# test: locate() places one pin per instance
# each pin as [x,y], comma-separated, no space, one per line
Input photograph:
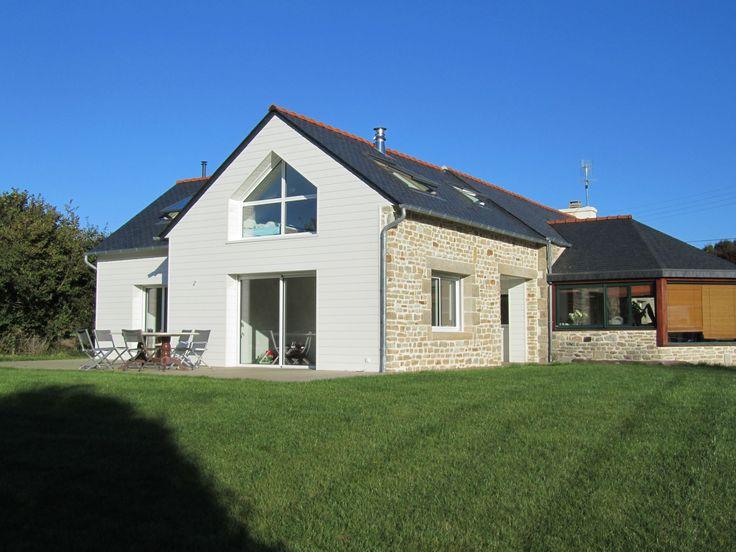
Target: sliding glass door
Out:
[278,320]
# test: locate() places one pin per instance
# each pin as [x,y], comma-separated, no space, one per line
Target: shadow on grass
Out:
[83,471]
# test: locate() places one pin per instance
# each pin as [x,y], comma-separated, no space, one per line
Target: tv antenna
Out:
[586,169]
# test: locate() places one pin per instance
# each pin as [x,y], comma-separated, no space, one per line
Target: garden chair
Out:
[182,346]
[197,349]
[134,349]
[97,355]
[105,340]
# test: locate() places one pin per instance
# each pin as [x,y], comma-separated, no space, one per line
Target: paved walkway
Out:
[258,373]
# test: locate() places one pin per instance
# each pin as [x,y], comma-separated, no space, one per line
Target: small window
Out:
[283,203]
[446,302]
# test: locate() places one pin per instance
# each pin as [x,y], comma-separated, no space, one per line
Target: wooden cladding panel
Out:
[719,312]
[685,308]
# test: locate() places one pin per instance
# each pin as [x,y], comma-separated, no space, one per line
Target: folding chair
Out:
[105,340]
[182,346]
[197,349]
[134,349]
[97,355]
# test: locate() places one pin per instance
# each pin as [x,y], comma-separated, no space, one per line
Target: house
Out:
[315,247]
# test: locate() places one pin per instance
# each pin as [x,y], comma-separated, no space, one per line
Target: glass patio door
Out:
[278,320]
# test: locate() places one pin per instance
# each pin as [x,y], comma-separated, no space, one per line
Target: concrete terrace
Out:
[257,373]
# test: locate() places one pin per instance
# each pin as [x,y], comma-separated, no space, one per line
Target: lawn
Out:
[560,457]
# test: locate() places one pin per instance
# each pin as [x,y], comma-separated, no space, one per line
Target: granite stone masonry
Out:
[419,246]
[633,345]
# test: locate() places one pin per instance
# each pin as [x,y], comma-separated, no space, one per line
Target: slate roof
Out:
[602,248]
[504,211]
[621,247]
[142,231]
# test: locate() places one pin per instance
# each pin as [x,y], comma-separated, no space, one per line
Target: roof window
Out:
[411,182]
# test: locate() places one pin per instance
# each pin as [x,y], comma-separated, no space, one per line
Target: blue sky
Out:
[109,103]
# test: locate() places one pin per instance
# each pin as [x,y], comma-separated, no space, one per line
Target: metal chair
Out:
[197,349]
[104,339]
[183,345]
[97,355]
[133,348]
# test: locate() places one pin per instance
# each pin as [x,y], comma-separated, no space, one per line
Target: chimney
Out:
[379,140]
[578,210]
[204,169]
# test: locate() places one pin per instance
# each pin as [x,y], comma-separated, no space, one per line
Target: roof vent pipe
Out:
[204,169]
[379,140]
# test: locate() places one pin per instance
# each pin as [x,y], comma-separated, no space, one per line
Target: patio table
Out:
[164,356]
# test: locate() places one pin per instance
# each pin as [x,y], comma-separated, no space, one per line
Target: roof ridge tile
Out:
[185,180]
[574,220]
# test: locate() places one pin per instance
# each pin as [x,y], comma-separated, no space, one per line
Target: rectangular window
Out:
[155,309]
[606,305]
[701,313]
[446,301]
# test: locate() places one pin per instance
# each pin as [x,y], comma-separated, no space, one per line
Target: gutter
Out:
[150,249]
[384,231]
[89,264]
[465,222]
[550,322]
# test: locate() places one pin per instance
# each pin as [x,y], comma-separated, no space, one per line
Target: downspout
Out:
[549,302]
[89,264]
[384,231]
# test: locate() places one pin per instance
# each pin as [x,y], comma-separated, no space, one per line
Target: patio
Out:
[254,373]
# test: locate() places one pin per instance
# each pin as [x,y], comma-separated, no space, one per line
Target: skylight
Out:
[471,195]
[408,180]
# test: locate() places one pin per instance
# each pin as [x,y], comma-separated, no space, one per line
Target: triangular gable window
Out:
[284,202]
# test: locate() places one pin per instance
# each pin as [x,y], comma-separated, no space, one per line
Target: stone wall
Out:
[420,245]
[633,345]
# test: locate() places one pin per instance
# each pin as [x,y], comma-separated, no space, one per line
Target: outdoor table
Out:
[164,355]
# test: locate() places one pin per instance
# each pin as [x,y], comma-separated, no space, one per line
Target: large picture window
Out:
[701,313]
[284,202]
[606,305]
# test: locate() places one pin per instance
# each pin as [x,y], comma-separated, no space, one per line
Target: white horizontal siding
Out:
[119,289]
[344,255]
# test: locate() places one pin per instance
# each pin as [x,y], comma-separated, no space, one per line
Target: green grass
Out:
[561,457]
[46,356]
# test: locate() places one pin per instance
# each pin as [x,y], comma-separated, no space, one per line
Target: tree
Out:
[46,290]
[726,249]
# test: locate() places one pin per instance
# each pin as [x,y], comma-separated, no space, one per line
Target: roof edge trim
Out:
[464,222]
[215,175]
[163,247]
[634,274]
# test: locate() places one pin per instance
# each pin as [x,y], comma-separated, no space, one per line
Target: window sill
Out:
[301,235]
[603,328]
[702,344]
[449,335]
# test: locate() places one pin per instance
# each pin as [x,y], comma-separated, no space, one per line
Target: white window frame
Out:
[283,200]
[162,306]
[457,281]
[281,277]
